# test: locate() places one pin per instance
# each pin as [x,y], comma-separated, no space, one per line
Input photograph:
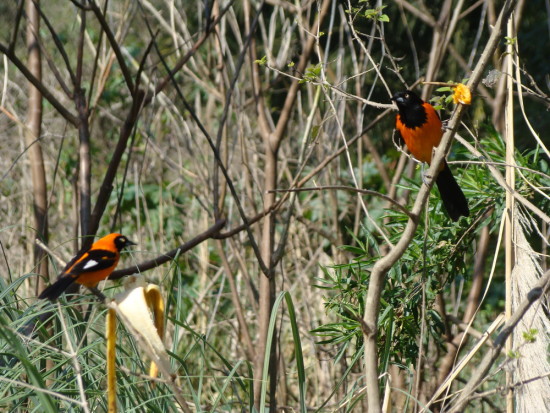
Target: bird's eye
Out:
[406,95]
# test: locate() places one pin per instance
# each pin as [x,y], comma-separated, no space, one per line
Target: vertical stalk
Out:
[32,134]
[85,167]
[264,290]
[85,174]
[510,181]
[267,283]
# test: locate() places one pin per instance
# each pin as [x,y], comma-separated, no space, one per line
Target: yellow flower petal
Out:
[462,95]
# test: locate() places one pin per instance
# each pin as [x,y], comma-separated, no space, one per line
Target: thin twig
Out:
[115,46]
[51,253]
[350,189]
[502,182]
[540,289]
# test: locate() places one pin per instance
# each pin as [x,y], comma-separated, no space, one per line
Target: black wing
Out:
[93,261]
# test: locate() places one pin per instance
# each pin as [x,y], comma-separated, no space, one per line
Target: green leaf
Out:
[530,335]
[297,350]
[262,61]
[510,40]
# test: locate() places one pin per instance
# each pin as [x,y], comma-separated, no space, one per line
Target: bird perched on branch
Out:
[89,266]
[421,129]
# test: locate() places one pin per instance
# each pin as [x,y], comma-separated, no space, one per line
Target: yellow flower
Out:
[462,94]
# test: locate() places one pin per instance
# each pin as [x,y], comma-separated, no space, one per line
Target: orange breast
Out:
[421,140]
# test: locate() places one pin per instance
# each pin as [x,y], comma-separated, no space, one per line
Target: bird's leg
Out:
[425,177]
[102,297]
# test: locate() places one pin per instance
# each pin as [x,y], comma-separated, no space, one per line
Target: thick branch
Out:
[33,132]
[170,255]
[107,185]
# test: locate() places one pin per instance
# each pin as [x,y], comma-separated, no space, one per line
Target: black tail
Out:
[57,288]
[452,196]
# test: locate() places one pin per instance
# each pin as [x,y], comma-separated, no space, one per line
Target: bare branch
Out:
[58,44]
[170,255]
[72,118]
[351,189]
[541,288]
[115,46]
[107,185]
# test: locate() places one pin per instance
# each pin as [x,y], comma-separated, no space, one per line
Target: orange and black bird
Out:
[90,266]
[421,129]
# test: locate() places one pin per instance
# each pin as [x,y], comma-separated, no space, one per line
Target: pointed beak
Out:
[397,99]
[128,243]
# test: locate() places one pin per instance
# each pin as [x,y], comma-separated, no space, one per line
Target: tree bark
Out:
[32,136]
